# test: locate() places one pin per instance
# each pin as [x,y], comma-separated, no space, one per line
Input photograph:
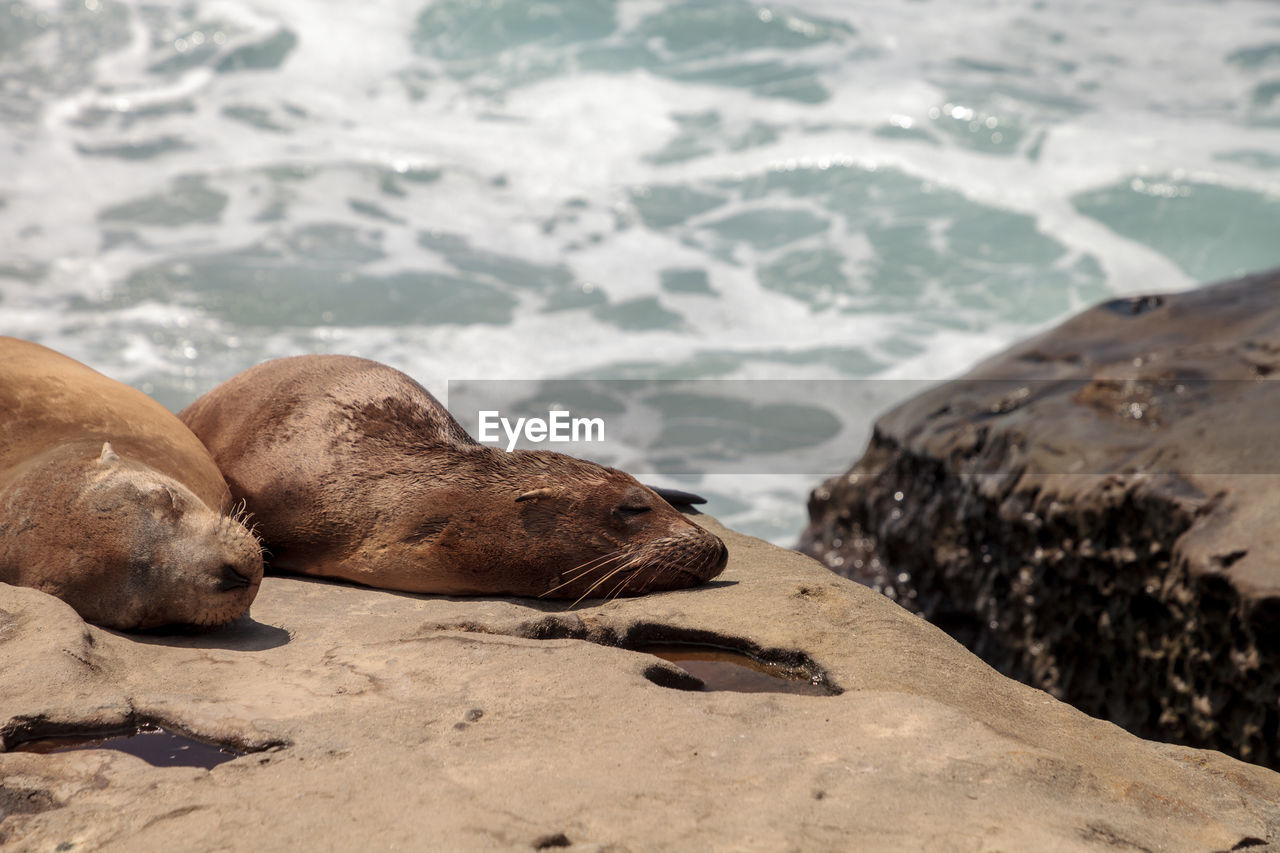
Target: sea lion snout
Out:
[721,560]
[232,579]
[200,567]
[697,553]
[224,560]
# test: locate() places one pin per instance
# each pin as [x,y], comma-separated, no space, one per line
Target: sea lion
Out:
[352,470]
[108,502]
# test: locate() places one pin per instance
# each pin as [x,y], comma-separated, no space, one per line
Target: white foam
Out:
[1154,93]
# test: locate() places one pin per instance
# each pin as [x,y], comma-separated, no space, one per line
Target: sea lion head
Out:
[125,545]
[538,523]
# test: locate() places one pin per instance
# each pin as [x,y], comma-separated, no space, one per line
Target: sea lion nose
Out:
[232,579]
[721,560]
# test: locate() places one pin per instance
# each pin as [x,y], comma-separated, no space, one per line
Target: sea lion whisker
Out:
[637,568]
[565,583]
[238,512]
[627,567]
[239,516]
[615,570]
[580,572]
[594,563]
[614,558]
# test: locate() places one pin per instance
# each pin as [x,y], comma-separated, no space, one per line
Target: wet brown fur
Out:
[132,534]
[352,470]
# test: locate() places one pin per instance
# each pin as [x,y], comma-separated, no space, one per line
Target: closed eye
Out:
[631,511]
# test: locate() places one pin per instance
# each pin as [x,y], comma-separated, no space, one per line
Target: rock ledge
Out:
[1094,512]
[388,720]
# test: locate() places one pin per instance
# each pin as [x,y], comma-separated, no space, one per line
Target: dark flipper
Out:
[677,498]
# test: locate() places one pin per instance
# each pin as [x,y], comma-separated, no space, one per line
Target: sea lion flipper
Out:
[675,497]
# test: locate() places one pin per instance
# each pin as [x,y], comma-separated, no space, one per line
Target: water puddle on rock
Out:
[724,669]
[154,745]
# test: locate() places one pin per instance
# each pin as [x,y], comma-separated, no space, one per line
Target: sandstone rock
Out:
[1095,512]
[380,720]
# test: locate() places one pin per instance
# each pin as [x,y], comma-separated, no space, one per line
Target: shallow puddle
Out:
[723,669]
[152,744]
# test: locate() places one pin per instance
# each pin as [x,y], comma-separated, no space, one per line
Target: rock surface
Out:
[1096,512]
[394,721]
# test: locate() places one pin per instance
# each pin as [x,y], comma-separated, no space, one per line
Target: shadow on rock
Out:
[244,634]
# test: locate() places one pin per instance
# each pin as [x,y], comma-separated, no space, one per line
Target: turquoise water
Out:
[500,189]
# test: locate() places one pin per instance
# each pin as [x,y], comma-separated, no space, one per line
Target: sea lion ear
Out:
[108,454]
[544,492]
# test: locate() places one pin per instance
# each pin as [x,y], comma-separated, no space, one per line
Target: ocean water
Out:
[622,189]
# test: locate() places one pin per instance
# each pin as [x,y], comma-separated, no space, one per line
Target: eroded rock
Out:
[1095,512]
[388,720]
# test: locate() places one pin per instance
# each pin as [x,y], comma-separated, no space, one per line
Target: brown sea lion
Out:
[352,470]
[108,502]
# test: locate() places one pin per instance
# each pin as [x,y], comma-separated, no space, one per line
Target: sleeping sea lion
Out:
[352,470]
[108,502]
